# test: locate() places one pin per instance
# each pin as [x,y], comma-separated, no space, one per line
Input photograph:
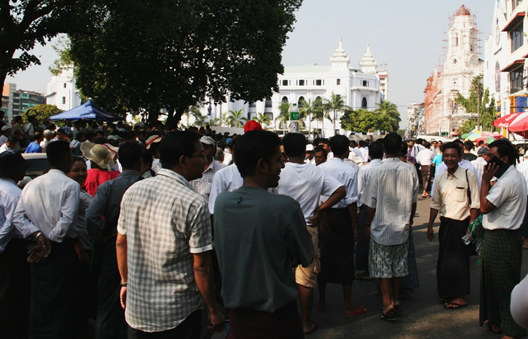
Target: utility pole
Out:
[478,106]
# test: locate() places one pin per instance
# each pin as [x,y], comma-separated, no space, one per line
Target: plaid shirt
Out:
[165,222]
[203,185]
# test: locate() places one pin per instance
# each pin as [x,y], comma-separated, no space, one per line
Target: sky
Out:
[406,35]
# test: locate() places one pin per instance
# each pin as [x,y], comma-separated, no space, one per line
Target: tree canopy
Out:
[361,121]
[477,94]
[24,23]
[42,112]
[172,54]
[389,111]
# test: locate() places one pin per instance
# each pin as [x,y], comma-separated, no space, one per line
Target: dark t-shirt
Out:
[257,234]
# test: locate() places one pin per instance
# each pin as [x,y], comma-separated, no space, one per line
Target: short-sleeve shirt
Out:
[306,183]
[256,235]
[165,223]
[227,179]
[451,194]
[392,189]
[347,176]
[509,196]
[437,160]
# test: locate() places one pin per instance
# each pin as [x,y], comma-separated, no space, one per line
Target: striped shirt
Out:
[391,189]
[165,222]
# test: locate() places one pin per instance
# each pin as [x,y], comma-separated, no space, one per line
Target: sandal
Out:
[389,316]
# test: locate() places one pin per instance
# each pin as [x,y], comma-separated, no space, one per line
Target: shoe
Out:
[316,325]
[454,306]
[359,311]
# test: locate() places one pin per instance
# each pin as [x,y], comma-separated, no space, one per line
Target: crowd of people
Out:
[142,229]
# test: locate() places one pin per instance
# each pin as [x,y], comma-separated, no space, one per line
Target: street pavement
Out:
[424,316]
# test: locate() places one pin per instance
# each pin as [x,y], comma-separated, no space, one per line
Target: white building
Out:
[359,88]
[505,55]
[461,65]
[62,92]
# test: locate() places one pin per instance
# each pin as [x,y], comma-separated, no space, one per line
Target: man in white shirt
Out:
[425,160]
[306,183]
[203,185]
[457,200]
[362,250]
[504,206]
[339,230]
[15,287]
[390,198]
[46,213]
[480,162]
[464,164]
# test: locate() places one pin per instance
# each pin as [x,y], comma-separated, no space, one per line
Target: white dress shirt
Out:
[3,139]
[49,204]
[9,195]
[425,157]
[509,195]
[479,164]
[522,168]
[392,188]
[227,179]
[347,176]
[306,183]
[363,176]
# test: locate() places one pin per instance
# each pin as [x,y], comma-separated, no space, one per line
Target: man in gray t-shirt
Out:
[259,238]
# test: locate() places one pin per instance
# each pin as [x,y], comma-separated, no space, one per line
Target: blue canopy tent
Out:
[86,111]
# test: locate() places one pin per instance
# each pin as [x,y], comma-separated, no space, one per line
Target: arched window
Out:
[268,103]
[285,100]
[300,102]
[364,103]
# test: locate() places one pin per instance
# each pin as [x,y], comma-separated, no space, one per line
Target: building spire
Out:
[340,57]
[368,64]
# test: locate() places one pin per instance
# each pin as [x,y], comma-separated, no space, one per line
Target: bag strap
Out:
[468,189]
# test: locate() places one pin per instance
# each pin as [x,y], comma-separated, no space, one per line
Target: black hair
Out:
[147,156]
[38,135]
[78,158]
[353,143]
[454,145]
[392,143]
[12,139]
[80,135]
[253,146]
[376,150]
[294,144]
[362,143]
[505,149]
[339,144]
[129,154]
[56,152]
[469,145]
[427,144]
[176,144]
[324,141]
[321,149]
[403,148]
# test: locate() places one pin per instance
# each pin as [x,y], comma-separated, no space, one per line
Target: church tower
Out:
[340,59]
[368,64]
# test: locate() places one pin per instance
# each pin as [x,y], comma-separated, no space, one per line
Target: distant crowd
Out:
[144,229]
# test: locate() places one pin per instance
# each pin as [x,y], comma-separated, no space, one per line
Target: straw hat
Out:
[153,139]
[99,154]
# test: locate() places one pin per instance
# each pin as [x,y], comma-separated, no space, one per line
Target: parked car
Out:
[39,166]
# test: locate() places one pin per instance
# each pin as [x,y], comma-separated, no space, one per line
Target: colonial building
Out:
[360,88]
[505,53]
[62,92]
[461,65]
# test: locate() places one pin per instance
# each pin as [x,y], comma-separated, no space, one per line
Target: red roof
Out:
[462,11]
